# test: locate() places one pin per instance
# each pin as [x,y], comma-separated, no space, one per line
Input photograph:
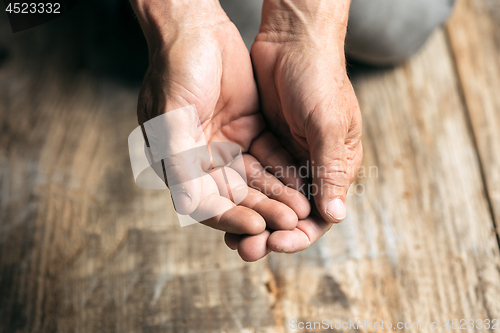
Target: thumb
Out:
[176,141]
[329,164]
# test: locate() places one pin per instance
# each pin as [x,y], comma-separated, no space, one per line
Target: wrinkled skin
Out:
[305,96]
[211,68]
[310,104]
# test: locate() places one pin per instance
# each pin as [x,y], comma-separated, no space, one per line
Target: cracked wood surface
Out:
[474,33]
[82,249]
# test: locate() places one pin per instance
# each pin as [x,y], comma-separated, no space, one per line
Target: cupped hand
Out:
[206,64]
[310,104]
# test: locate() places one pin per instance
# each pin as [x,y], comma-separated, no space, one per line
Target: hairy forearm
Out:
[306,19]
[162,20]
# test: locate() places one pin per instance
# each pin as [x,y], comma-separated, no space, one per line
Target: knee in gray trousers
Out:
[386,32]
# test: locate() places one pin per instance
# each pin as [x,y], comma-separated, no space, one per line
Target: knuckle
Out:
[336,166]
[334,173]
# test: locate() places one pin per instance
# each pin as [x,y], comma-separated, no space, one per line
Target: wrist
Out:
[292,20]
[163,20]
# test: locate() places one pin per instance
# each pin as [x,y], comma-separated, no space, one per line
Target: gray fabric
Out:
[245,14]
[380,32]
[390,31]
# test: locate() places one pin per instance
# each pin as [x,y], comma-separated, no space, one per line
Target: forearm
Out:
[162,20]
[306,18]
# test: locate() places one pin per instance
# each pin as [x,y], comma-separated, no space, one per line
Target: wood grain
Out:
[474,34]
[82,249]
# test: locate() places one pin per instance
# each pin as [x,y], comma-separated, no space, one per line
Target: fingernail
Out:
[182,201]
[186,199]
[336,209]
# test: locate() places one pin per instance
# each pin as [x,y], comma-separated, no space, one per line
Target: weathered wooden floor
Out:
[82,249]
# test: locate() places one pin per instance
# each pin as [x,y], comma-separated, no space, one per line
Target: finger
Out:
[253,248]
[220,213]
[176,139]
[307,232]
[269,152]
[232,240]
[230,184]
[238,220]
[327,136]
[269,185]
[211,202]
[187,194]
[277,215]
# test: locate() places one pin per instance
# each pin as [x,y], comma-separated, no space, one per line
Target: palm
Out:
[267,63]
[211,70]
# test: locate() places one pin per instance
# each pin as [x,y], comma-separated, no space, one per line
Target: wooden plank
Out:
[474,33]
